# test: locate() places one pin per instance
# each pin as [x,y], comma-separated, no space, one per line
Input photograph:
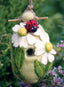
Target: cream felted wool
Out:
[32,53]
[28,15]
[31,59]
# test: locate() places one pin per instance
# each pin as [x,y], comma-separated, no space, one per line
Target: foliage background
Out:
[12,9]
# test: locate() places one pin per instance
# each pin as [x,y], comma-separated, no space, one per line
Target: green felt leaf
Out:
[48,66]
[16,71]
[16,54]
[39,68]
[15,68]
[21,57]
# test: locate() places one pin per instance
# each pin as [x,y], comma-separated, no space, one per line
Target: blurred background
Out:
[12,9]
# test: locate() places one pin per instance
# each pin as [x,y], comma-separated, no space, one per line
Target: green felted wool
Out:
[48,66]
[17,61]
[39,68]
[28,15]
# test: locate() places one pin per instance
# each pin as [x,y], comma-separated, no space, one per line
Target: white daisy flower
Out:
[47,52]
[22,41]
[45,48]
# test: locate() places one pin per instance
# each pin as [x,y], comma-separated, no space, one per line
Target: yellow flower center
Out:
[22,31]
[48,47]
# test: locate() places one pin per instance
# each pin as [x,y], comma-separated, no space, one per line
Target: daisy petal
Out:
[41,28]
[47,37]
[15,44]
[23,42]
[39,52]
[15,37]
[38,32]
[44,59]
[22,24]
[43,38]
[16,28]
[39,44]
[53,51]
[31,39]
[50,57]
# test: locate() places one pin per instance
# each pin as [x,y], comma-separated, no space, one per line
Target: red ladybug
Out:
[31,26]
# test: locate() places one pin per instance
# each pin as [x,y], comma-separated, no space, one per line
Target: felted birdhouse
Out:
[33,53]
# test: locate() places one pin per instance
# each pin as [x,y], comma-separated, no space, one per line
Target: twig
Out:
[13,20]
[40,18]
[18,20]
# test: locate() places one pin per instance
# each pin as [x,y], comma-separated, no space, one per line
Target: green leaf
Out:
[16,71]
[48,66]
[15,68]
[39,68]
[21,57]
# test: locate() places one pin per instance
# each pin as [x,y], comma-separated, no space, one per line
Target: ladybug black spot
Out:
[29,25]
[34,24]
